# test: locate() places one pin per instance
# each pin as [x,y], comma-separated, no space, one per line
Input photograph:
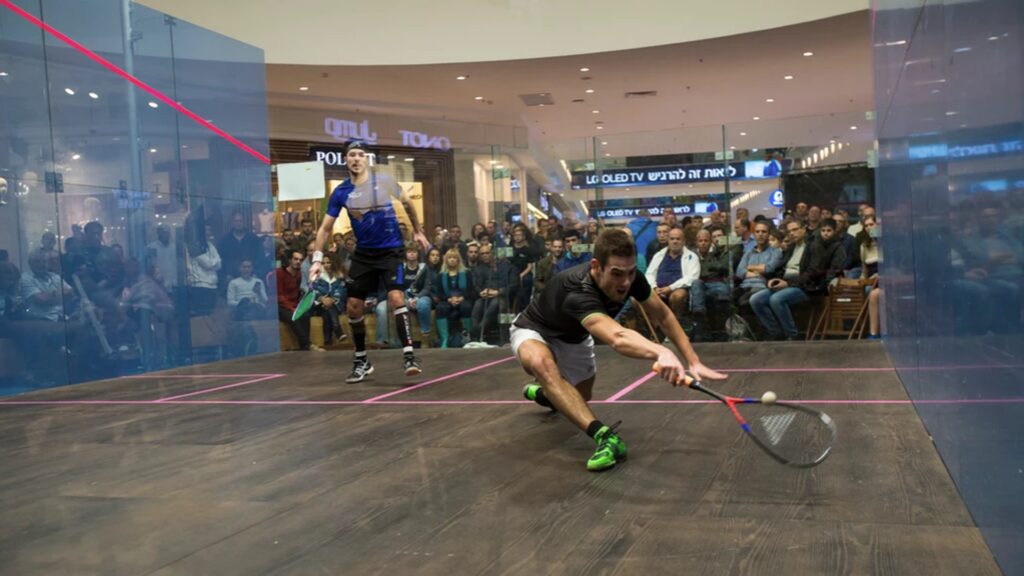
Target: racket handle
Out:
[686,378]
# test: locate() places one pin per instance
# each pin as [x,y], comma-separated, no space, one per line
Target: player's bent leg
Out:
[403,325]
[356,309]
[537,360]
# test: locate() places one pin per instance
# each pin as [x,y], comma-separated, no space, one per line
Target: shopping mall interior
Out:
[826,201]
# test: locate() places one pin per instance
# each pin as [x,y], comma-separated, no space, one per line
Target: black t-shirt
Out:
[568,298]
[523,255]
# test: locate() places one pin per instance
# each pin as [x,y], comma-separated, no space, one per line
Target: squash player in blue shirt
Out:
[379,255]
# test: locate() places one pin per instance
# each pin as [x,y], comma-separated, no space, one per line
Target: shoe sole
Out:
[413,371]
[365,374]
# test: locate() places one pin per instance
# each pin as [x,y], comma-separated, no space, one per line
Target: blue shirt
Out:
[670,269]
[568,261]
[377,224]
[770,257]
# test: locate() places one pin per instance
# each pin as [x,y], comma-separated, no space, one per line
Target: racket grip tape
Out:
[686,378]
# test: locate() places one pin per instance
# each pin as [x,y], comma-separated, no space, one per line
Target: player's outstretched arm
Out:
[632,344]
[666,320]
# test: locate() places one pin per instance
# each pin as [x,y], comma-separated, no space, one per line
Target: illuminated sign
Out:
[777,199]
[686,174]
[642,211]
[421,140]
[938,151]
[345,130]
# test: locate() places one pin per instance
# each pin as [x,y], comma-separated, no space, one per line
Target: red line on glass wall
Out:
[139,83]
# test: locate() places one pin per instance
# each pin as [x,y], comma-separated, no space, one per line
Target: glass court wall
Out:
[122,220]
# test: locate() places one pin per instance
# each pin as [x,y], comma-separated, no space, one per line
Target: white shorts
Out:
[575,361]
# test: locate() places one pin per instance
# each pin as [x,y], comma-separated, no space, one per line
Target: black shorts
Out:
[373,267]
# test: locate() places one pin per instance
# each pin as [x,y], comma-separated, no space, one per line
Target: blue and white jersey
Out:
[371,210]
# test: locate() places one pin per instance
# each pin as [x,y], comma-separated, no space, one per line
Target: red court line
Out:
[139,83]
[953,401]
[631,387]
[218,388]
[440,379]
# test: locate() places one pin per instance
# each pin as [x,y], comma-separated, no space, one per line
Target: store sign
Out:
[421,140]
[642,211]
[345,130]
[657,176]
[777,199]
[329,156]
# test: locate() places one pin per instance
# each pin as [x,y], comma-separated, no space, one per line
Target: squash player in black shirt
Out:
[553,339]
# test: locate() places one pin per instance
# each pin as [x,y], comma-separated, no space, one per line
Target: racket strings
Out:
[797,436]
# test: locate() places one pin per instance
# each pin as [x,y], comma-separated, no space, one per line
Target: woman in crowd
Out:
[331,297]
[454,304]
[869,256]
[423,293]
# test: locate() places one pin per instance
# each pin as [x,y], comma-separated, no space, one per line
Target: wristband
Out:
[318,256]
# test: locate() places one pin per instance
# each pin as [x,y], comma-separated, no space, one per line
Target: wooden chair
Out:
[846,310]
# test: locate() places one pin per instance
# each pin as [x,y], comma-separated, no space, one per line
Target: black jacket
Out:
[820,263]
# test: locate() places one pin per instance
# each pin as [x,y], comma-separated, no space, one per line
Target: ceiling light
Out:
[604,143]
[589,90]
[853,127]
[500,167]
[478,98]
[743,133]
[991,38]
[463,77]
[69,91]
[753,149]
[3,74]
[787,77]
[962,50]
[152,150]
[93,95]
[584,69]
[595,111]
[600,127]
[303,88]
[410,159]
[951,113]
[808,53]
[732,147]
[769,100]
[76,156]
[757,117]
[896,43]
[607,154]
[391,156]
[184,146]
[936,91]
[153,105]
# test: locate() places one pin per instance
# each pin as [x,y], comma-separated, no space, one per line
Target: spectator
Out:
[288,296]
[452,298]
[848,243]
[43,291]
[593,231]
[454,240]
[331,298]
[203,266]
[546,265]
[524,255]
[743,235]
[491,279]
[757,265]
[307,234]
[407,275]
[472,254]
[268,258]
[164,255]
[672,272]
[801,211]
[476,231]
[813,221]
[247,296]
[570,259]
[310,248]
[669,217]
[661,241]
[714,276]
[808,269]
[863,211]
[425,290]
[237,245]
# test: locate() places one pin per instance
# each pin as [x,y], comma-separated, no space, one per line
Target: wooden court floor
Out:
[273,465]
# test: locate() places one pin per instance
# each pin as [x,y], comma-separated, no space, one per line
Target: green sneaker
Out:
[530,392]
[610,449]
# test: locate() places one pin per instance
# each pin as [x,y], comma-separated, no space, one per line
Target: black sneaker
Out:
[412,365]
[360,370]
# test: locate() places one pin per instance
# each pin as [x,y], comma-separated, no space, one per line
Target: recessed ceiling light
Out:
[410,159]
[787,77]
[951,113]
[478,98]
[463,77]
[991,38]
[93,95]
[391,156]
[595,111]
[757,117]
[769,100]
[153,105]
[607,154]
[76,156]
[152,150]
[604,143]
[732,147]
[853,127]
[896,43]
[584,69]
[589,90]
[3,74]
[303,88]
[808,53]
[962,50]
[600,127]
[69,91]
[743,133]
[184,146]
[936,91]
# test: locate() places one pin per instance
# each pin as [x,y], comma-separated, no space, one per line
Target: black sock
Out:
[359,335]
[593,428]
[543,400]
[404,327]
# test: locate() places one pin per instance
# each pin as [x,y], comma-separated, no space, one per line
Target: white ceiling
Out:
[700,85]
[397,32]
